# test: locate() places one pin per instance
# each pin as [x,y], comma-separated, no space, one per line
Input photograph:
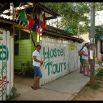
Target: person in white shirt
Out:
[37,62]
[85,57]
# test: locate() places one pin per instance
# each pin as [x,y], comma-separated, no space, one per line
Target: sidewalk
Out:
[64,88]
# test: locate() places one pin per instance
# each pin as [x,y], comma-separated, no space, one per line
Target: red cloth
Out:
[30,22]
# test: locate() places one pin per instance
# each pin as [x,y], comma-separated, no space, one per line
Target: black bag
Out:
[80,52]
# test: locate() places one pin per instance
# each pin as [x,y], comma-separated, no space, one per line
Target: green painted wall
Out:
[24,53]
[26,47]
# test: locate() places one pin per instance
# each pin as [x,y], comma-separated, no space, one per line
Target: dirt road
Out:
[88,93]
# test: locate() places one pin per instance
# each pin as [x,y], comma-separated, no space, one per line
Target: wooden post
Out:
[92,48]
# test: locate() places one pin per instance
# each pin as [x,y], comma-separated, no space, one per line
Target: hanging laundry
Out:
[28,11]
[41,17]
[30,21]
[36,24]
[39,30]
[43,21]
[23,17]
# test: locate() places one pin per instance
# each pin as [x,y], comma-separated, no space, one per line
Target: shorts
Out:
[82,60]
[37,71]
[86,63]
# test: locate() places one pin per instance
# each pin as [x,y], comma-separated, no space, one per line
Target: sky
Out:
[99,18]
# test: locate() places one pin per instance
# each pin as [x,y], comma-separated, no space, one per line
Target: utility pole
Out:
[92,46]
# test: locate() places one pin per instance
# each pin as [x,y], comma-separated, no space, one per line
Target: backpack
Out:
[80,52]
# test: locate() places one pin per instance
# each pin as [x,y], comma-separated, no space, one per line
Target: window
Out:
[16,49]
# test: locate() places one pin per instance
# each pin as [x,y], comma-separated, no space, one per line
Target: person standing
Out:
[37,62]
[85,57]
[81,60]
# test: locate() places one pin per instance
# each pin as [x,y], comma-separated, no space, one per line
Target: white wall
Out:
[5,64]
[98,50]
[60,58]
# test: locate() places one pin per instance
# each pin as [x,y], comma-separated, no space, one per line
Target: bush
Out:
[98,61]
[99,75]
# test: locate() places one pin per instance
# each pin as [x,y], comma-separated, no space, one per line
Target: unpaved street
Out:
[88,93]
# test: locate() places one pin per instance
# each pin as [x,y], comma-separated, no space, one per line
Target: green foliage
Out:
[98,61]
[72,14]
[99,32]
[70,29]
[99,75]
[98,82]
[99,6]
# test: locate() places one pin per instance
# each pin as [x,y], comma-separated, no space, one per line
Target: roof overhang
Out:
[52,31]
[60,33]
[32,6]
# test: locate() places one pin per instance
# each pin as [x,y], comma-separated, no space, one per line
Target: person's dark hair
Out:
[38,46]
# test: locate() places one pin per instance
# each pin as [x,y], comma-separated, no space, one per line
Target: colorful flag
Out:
[39,30]
[30,21]
[23,17]
[43,21]
[36,24]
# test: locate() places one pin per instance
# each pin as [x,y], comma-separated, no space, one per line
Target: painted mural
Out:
[4,64]
[56,55]
[51,56]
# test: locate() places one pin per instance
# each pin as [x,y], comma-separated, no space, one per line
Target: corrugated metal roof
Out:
[5,9]
[52,31]
[61,33]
